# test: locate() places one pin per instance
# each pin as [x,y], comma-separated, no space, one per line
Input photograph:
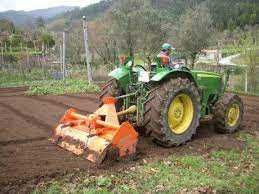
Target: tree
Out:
[7,26]
[250,51]
[194,32]
[248,14]
[152,32]
[125,17]
[47,40]
[40,23]
[231,14]
[173,9]
[103,40]
[75,46]
[138,27]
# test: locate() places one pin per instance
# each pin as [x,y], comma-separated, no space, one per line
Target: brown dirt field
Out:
[27,157]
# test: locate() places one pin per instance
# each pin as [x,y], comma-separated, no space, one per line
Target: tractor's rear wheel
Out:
[228,113]
[111,88]
[173,112]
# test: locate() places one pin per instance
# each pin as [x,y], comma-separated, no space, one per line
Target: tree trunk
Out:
[193,57]
[149,61]
[252,71]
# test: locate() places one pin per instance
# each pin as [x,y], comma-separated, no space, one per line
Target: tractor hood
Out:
[208,80]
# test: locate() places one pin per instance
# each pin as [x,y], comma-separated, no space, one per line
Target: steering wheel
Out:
[185,68]
[141,67]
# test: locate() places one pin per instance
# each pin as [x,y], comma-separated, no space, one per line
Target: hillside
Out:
[21,18]
[242,12]
[74,16]
[92,11]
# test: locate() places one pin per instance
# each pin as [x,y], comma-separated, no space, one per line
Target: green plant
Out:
[221,171]
[57,87]
[21,78]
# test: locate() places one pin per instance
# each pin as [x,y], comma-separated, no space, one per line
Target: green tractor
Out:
[171,102]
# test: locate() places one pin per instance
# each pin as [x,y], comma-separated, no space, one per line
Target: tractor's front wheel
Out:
[228,113]
[173,112]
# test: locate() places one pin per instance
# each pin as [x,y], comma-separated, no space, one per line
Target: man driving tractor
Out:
[165,53]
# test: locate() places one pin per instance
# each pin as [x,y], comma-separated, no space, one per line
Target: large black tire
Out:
[111,88]
[156,117]
[220,112]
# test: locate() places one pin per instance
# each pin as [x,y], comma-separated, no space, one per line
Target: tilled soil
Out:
[27,157]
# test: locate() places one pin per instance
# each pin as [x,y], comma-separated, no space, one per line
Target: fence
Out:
[39,67]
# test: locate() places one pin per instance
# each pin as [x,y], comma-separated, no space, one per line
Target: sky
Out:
[28,5]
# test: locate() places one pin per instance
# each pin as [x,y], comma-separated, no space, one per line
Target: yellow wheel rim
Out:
[233,115]
[180,113]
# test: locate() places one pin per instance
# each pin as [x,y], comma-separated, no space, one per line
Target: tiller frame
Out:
[95,135]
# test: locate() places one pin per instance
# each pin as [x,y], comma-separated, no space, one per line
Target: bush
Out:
[16,78]
[57,87]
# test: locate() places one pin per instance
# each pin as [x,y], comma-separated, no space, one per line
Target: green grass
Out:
[235,171]
[8,79]
[241,92]
[40,84]
[240,79]
[230,50]
[58,87]
[244,60]
[17,52]
[11,80]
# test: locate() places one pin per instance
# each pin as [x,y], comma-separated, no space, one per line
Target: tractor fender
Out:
[162,75]
[119,73]
[122,72]
[122,75]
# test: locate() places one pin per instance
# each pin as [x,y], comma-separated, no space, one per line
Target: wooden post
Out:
[218,58]
[64,54]
[27,58]
[246,80]
[34,45]
[2,55]
[5,47]
[60,58]
[89,69]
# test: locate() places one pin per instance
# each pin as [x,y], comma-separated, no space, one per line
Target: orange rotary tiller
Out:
[94,135]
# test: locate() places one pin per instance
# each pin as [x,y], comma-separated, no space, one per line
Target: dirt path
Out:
[27,156]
